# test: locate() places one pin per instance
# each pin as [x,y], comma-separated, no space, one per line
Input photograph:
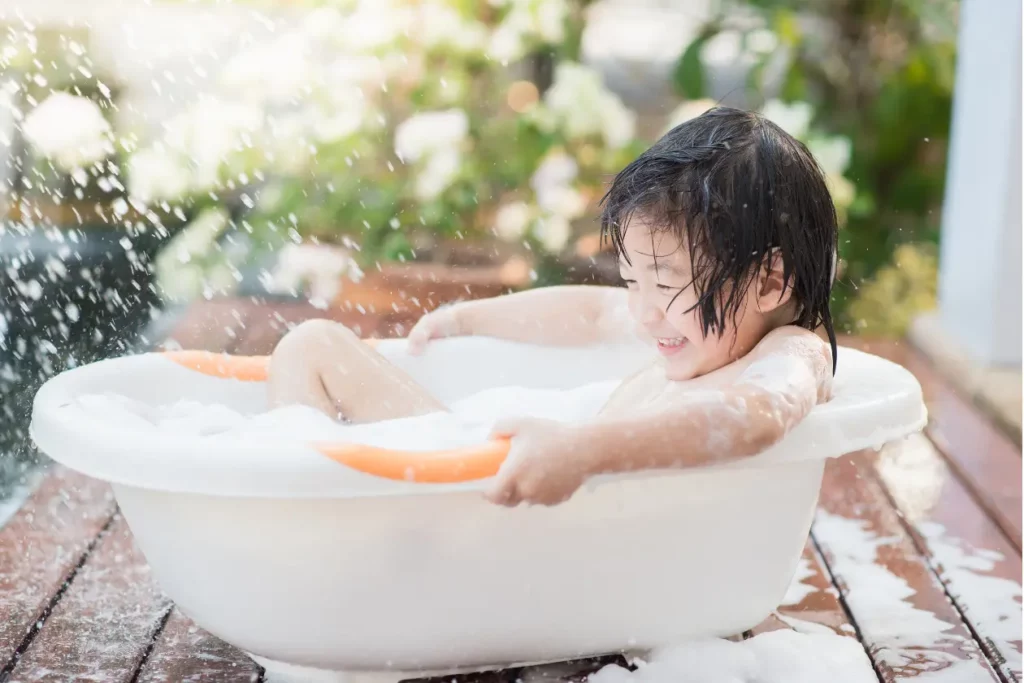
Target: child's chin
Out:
[680,369]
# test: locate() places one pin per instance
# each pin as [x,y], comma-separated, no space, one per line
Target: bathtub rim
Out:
[290,469]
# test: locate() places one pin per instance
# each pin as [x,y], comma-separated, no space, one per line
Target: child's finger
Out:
[418,338]
[506,428]
[503,493]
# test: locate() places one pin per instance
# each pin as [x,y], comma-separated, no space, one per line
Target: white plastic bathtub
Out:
[304,562]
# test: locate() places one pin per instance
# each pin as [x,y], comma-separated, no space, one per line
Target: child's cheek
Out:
[684,317]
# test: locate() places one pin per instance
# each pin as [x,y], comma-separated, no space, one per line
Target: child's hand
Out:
[439,323]
[544,465]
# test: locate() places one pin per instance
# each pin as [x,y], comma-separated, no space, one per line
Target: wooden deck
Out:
[916,551]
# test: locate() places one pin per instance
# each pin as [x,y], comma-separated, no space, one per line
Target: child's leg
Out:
[323,364]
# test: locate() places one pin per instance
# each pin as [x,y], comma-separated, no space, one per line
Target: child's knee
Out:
[313,335]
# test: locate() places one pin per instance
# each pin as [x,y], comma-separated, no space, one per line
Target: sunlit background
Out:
[157,153]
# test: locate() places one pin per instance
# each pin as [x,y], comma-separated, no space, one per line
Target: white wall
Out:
[980,267]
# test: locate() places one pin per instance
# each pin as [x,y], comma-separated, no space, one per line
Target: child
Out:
[726,237]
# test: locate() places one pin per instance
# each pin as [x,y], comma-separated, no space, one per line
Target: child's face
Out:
[676,331]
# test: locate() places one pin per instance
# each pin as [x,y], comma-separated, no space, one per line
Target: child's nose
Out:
[651,313]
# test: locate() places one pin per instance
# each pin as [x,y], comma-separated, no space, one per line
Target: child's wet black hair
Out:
[733,186]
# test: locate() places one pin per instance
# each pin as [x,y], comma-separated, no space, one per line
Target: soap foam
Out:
[775,657]
[470,421]
[906,638]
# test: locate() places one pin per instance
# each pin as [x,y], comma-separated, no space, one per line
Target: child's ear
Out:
[772,292]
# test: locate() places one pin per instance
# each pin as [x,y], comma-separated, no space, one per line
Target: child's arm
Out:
[787,377]
[564,315]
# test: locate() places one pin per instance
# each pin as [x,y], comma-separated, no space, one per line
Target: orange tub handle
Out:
[222,365]
[434,467]
[428,467]
[227,366]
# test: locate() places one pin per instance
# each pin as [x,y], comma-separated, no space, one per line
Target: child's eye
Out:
[629,283]
[666,288]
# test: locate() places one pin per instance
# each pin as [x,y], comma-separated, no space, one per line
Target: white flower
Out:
[527,23]
[832,153]
[619,125]
[329,126]
[323,22]
[270,197]
[199,235]
[208,133]
[558,169]
[277,72]
[180,283]
[567,202]
[584,107]
[552,186]
[793,118]
[318,269]
[154,174]
[376,24]
[433,138]
[507,43]
[549,20]
[553,233]
[179,265]
[723,49]
[438,174]
[288,142]
[439,25]
[355,70]
[343,115]
[576,96]
[428,132]
[69,130]
[762,41]
[690,109]
[512,220]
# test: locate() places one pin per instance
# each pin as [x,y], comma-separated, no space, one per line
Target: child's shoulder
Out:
[795,344]
[791,340]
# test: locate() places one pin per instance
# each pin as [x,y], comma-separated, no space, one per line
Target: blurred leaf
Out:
[794,86]
[396,246]
[755,77]
[863,205]
[688,76]
[787,27]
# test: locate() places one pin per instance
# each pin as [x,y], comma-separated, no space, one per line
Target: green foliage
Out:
[886,305]
[479,124]
[879,72]
[688,75]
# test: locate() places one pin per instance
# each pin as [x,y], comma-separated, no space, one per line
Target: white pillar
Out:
[980,265]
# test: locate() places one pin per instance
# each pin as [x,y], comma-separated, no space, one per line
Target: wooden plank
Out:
[564,672]
[185,653]
[102,627]
[979,567]
[41,548]
[984,457]
[901,610]
[812,603]
[45,543]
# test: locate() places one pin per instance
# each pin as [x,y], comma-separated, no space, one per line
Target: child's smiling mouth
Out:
[670,345]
